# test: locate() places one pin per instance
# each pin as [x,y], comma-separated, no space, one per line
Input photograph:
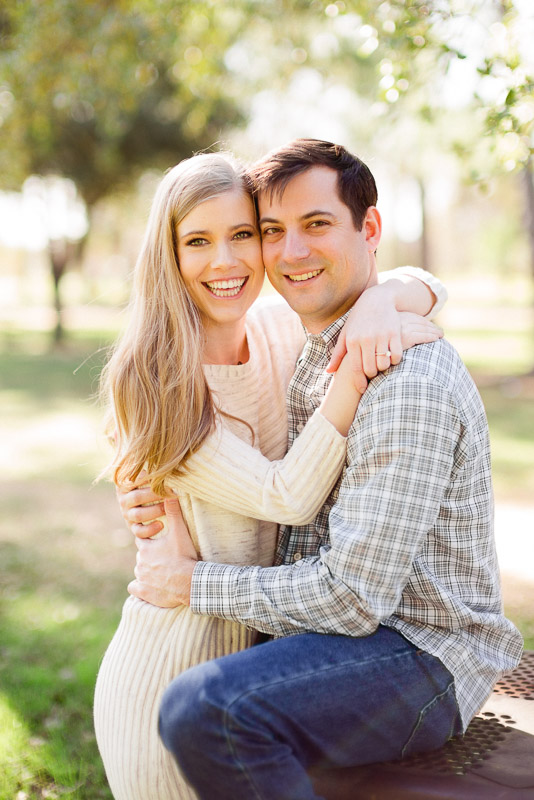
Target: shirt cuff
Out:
[214,589]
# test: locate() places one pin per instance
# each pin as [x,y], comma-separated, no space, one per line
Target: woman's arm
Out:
[228,472]
[372,335]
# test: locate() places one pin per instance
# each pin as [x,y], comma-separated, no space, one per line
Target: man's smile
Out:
[304,276]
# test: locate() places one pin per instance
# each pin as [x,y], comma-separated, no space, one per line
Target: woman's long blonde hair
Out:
[161,406]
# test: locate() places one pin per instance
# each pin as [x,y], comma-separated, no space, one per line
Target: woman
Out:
[198,395]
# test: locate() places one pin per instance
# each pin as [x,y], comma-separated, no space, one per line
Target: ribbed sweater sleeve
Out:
[230,473]
[423,275]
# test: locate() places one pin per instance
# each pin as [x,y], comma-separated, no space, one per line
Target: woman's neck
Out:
[226,345]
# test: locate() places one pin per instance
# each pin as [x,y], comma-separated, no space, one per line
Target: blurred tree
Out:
[97,91]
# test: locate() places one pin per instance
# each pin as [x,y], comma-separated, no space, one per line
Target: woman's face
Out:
[219,253]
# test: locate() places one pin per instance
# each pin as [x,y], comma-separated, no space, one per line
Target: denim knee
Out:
[179,715]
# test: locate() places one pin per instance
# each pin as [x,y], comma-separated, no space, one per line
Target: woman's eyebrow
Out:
[193,233]
[207,232]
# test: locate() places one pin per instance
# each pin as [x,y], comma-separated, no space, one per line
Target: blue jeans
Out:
[250,725]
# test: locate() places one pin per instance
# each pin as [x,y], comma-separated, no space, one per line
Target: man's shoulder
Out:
[437,361]
[437,366]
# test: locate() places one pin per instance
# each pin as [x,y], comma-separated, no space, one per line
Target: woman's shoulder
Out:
[272,315]
[276,336]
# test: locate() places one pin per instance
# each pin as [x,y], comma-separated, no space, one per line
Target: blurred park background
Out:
[96,100]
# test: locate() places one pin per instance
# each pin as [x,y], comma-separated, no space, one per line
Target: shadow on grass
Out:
[52,376]
[510,410]
[63,582]
[52,643]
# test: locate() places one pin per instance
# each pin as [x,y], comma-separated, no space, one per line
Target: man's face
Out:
[313,254]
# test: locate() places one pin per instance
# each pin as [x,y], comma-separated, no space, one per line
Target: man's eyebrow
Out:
[317,212]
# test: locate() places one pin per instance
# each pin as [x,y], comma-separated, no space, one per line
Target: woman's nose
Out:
[224,256]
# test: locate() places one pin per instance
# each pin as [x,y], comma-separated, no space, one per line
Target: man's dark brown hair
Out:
[355,184]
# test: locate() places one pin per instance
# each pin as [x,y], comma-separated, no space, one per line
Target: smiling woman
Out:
[219,252]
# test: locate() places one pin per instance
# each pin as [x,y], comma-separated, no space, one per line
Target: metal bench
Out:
[493,760]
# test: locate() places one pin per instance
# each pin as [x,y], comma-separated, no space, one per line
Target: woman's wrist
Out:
[340,403]
[407,293]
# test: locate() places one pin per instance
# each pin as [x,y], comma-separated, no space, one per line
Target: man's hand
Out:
[165,565]
[140,508]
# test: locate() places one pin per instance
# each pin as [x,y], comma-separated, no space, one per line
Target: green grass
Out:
[62,594]
[511,421]
[66,557]
[65,565]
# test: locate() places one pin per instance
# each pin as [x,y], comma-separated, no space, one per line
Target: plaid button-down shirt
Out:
[405,538]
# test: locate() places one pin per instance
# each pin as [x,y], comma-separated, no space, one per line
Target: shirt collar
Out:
[330,334]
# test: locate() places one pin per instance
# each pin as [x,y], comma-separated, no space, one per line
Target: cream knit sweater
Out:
[152,645]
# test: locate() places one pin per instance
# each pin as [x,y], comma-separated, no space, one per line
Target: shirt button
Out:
[297,556]
[300,427]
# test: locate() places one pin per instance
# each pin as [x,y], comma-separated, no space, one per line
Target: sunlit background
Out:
[96,101]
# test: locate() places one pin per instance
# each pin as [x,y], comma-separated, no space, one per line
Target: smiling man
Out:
[317,252]
[387,609]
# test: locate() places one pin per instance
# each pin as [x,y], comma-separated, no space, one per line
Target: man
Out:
[388,605]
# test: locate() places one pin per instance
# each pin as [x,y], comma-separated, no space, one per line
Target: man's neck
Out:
[317,323]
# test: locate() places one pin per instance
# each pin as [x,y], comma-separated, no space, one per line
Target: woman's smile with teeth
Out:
[305,275]
[228,288]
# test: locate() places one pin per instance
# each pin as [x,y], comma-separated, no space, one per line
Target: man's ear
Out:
[372,225]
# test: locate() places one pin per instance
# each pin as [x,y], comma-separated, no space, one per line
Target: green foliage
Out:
[96,91]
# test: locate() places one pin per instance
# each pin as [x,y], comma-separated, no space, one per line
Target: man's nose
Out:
[295,247]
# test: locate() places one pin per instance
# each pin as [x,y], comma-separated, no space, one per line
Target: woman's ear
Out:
[372,224]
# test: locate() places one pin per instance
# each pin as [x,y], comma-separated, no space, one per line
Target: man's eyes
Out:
[272,230]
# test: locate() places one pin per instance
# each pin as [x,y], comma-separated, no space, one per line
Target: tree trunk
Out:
[60,252]
[424,241]
[528,184]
